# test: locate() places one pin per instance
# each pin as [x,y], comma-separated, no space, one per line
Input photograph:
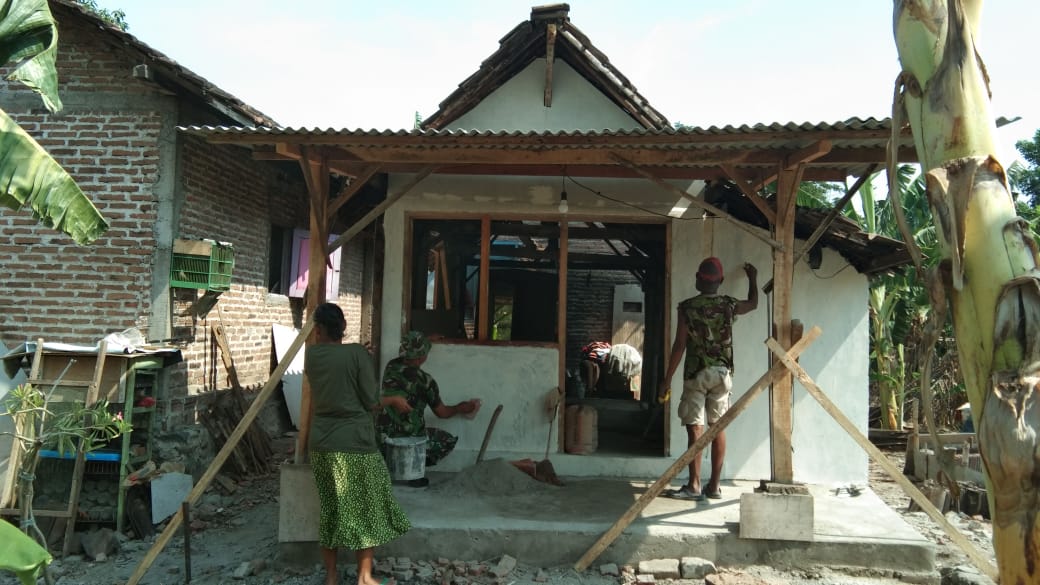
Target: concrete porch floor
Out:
[543,525]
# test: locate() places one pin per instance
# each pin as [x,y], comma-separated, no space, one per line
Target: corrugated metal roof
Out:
[851,125]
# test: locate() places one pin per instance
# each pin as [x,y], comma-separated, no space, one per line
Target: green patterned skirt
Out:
[358,509]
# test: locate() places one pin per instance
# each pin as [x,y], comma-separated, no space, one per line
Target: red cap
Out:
[710,270]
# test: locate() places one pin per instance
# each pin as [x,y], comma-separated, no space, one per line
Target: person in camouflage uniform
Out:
[405,377]
[704,333]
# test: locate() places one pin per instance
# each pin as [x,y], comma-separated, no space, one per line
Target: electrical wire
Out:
[633,205]
[836,273]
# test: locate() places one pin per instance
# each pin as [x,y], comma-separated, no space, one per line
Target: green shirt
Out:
[419,389]
[709,332]
[343,394]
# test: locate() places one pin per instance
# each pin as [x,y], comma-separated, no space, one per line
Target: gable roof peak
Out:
[550,13]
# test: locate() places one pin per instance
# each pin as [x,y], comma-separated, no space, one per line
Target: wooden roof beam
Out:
[550,56]
[808,154]
[335,157]
[744,183]
[553,156]
[756,232]
[369,217]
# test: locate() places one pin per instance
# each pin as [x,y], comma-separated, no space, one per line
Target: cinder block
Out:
[776,516]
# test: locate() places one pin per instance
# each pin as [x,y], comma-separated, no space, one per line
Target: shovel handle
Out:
[487,433]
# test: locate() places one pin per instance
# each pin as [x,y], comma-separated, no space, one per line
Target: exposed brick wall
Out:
[54,288]
[63,292]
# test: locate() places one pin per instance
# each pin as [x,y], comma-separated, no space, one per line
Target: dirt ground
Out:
[234,540]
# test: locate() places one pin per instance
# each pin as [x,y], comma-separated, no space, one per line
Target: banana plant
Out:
[988,274]
[29,175]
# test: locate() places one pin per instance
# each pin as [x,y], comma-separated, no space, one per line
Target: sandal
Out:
[685,493]
[715,495]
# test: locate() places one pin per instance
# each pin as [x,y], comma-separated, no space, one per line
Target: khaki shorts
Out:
[708,391]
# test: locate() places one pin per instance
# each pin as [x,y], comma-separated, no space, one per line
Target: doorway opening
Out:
[615,336]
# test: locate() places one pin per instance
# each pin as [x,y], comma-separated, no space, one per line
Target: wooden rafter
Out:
[550,55]
[337,158]
[834,213]
[510,156]
[353,188]
[808,154]
[752,230]
[369,217]
[744,184]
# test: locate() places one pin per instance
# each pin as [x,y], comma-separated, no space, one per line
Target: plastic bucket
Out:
[406,457]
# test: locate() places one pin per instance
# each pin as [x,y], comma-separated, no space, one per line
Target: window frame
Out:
[483,328]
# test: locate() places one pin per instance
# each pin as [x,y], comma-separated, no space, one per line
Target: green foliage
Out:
[116,18]
[43,426]
[1026,180]
[28,174]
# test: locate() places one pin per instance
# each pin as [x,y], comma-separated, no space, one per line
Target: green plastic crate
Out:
[202,264]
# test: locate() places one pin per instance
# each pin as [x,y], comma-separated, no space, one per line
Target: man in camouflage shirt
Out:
[704,333]
[405,377]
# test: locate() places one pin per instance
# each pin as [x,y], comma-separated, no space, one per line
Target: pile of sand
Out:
[494,477]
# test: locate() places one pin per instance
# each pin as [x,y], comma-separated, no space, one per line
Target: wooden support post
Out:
[186,513]
[222,455]
[783,278]
[561,330]
[911,490]
[684,460]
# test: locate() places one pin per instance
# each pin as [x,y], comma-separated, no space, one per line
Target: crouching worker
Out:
[405,377]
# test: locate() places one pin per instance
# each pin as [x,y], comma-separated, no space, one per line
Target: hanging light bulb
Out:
[563,193]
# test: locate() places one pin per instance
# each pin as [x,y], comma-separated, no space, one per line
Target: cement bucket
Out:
[406,457]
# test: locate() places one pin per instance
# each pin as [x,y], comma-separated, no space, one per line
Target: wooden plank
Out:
[684,460]
[352,189]
[369,217]
[781,422]
[550,56]
[77,470]
[896,474]
[745,186]
[758,233]
[193,247]
[834,213]
[222,455]
[814,151]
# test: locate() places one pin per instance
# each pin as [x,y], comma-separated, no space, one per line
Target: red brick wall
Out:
[53,288]
[63,292]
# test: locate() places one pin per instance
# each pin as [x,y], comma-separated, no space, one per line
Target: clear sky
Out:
[374,64]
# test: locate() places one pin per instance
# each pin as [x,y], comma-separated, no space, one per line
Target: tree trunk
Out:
[989,262]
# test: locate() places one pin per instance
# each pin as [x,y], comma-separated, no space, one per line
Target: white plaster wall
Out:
[518,377]
[519,104]
[837,361]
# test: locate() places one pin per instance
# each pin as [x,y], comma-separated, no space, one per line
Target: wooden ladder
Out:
[71,512]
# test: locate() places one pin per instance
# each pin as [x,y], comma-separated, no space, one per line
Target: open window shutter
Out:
[301,254]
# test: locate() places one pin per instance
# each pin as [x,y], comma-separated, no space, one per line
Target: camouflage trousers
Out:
[439,443]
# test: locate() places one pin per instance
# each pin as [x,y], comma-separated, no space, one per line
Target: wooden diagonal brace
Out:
[911,490]
[751,193]
[379,209]
[684,460]
[352,189]
[756,232]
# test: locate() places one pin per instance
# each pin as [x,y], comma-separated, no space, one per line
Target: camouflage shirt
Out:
[709,330]
[419,388]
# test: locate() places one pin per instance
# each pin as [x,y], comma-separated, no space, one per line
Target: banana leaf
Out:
[29,41]
[29,175]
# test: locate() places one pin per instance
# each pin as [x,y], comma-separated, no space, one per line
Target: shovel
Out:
[543,470]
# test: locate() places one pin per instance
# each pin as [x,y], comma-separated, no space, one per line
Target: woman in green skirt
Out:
[358,510]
